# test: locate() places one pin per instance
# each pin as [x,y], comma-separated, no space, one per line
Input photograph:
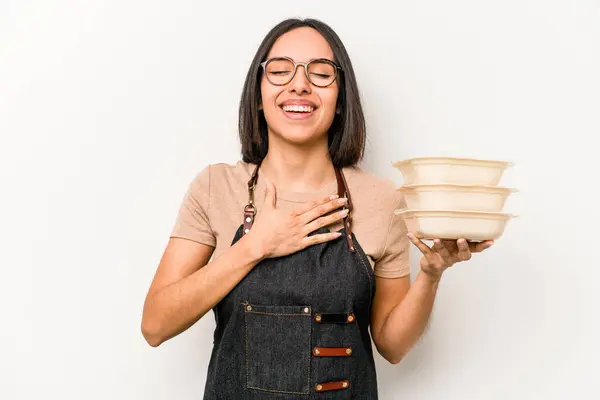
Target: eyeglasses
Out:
[281,70]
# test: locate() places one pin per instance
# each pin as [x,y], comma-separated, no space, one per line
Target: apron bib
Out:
[296,327]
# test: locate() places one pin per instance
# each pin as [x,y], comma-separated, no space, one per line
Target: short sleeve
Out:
[192,221]
[394,261]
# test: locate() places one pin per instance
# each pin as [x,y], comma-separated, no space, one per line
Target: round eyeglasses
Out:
[281,70]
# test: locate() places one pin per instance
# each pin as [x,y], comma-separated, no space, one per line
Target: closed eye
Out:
[324,76]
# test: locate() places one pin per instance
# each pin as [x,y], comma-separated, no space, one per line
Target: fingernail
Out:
[410,235]
[342,200]
[344,212]
[333,196]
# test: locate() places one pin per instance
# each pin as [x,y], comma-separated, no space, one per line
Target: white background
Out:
[109,108]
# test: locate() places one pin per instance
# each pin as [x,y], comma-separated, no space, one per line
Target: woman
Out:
[295,248]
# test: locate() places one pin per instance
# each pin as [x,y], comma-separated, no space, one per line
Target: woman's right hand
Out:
[276,232]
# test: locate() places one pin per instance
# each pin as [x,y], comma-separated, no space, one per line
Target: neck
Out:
[298,168]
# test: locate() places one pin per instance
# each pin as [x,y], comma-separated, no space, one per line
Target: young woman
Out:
[295,248]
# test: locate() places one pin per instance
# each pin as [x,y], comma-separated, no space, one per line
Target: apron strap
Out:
[250,208]
[342,189]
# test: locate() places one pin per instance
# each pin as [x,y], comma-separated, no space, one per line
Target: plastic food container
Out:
[455,197]
[444,224]
[466,171]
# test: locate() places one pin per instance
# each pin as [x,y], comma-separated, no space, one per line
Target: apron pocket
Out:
[278,348]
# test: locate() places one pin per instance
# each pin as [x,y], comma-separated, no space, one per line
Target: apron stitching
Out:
[246,334]
[370,280]
[309,358]
[279,314]
[275,391]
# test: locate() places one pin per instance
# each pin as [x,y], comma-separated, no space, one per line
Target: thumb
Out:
[270,194]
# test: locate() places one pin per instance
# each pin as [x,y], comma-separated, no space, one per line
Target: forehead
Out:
[301,44]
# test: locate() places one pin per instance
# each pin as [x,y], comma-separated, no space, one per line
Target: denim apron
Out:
[296,327]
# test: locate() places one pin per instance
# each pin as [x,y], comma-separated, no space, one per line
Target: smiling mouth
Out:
[298,112]
[298,109]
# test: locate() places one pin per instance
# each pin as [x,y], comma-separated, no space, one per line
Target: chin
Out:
[301,135]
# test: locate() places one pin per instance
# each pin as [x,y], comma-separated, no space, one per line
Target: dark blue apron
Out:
[296,327]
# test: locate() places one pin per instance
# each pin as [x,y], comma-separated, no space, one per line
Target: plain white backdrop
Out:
[109,108]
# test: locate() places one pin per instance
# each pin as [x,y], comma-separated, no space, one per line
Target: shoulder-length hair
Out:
[347,134]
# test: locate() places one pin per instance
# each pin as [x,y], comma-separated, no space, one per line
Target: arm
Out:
[186,286]
[401,313]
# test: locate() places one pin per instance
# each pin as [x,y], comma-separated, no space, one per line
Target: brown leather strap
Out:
[326,386]
[343,191]
[332,352]
[250,208]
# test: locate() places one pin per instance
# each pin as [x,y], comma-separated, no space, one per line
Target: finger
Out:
[479,247]
[270,194]
[309,205]
[464,253]
[322,209]
[419,243]
[325,220]
[443,250]
[450,245]
[320,238]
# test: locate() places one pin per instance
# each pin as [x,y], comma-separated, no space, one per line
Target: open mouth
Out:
[298,111]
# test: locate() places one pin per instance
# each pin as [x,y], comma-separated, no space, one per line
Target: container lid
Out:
[456,186]
[453,214]
[454,161]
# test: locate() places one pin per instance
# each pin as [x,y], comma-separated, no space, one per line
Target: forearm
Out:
[408,320]
[178,306]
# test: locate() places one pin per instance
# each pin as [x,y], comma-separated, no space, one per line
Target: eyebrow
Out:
[312,59]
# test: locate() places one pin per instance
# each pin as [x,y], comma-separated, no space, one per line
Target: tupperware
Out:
[446,224]
[468,171]
[455,197]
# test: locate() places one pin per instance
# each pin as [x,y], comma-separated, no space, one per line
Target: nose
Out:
[300,84]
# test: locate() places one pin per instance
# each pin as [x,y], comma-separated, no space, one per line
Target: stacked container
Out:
[452,198]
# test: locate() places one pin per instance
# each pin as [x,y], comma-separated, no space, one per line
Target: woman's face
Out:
[299,112]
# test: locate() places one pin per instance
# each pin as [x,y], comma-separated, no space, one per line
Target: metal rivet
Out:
[345,384]
[249,308]
[248,219]
[306,310]
[317,351]
[247,230]
[350,318]
[318,318]
[319,387]
[348,351]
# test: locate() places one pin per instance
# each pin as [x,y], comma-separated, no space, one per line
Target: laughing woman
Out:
[295,248]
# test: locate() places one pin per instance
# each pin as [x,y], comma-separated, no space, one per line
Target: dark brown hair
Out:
[347,134]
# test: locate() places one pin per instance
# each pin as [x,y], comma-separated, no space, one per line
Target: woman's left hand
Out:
[445,253]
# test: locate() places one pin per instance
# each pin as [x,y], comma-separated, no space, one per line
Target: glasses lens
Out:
[321,73]
[279,71]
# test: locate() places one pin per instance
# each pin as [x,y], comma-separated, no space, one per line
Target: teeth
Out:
[296,108]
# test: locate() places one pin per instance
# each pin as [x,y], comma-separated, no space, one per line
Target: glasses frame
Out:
[337,68]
